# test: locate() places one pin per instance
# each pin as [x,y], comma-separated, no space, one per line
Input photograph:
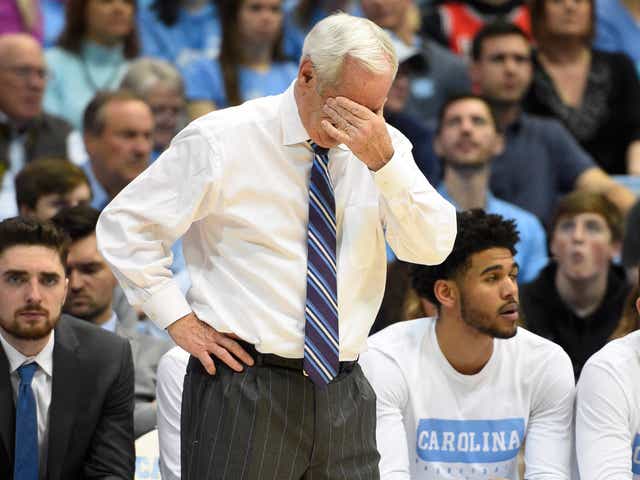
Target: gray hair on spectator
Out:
[145,74]
[339,36]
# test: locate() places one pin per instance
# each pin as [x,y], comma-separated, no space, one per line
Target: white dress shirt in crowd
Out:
[41,386]
[608,412]
[236,181]
[434,423]
[170,379]
[111,324]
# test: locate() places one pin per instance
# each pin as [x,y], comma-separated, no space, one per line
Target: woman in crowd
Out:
[595,94]
[160,85]
[251,63]
[92,54]
[305,15]
[180,30]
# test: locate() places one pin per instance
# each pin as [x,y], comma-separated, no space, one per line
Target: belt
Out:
[269,359]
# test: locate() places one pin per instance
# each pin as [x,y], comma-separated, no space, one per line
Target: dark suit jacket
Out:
[91,412]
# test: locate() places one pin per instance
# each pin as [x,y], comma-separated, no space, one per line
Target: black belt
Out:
[272,360]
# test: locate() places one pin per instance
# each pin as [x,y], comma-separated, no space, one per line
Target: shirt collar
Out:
[110,325]
[44,359]
[100,196]
[293,131]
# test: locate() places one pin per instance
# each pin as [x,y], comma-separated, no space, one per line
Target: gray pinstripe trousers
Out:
[272,423]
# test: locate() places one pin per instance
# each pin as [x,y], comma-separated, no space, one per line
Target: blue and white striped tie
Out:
[321,340]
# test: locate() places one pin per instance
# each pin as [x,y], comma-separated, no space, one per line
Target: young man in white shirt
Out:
[608,411]
[458,394]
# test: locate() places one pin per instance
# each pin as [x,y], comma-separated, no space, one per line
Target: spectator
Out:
[595,94]
[411,125]
[26,132]
[90,298]
[631,244]
[171,371]
[442,74]
[21,16]
[618,28]
[118,136]
[251,63]
[541,160]
[453,23]
[68,412]
[467,140]
[180,31]
[52,19]
[461,393]
[306,13]
[577,300]
[91,55]
[48,185]
[607,416]
[160,85]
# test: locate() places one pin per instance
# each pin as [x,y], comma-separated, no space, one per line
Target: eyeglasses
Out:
[25,72]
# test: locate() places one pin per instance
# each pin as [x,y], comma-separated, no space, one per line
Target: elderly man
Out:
[285,201]
[26,132]
[118,130]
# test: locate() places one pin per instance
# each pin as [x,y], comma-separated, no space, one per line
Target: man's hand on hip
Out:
[360,129]
[200,340]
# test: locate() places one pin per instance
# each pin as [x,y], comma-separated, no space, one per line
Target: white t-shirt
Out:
[608,412]
[170,378]
[436,423]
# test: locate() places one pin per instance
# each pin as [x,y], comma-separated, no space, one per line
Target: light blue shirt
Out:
[100,197]
[110,325]
[204,81]
[617,30]
[75,78]
[531,252]
[52,20]
[195,34]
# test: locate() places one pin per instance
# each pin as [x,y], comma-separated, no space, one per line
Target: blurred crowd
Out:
[530,110]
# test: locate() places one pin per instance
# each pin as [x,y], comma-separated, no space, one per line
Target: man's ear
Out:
[437,146]
[306,73]
[446,291]
[499,144]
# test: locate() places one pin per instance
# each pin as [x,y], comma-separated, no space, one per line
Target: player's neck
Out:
[466,349]
[467,187]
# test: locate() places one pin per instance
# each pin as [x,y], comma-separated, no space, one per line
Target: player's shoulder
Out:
[618,355]
[401,338]
[532,350]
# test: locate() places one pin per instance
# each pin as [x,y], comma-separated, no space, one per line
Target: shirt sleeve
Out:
[603,438]
[203,81]
[420,225]
[549,439]
[391,398]
[572,160]
[137,229]
[533,242]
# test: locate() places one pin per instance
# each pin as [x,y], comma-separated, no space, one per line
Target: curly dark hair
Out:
[477,231]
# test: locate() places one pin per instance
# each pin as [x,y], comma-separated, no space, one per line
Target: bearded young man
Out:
[66,387]
[458,394]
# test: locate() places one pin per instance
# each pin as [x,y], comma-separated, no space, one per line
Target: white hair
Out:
[339,36]
[146,73]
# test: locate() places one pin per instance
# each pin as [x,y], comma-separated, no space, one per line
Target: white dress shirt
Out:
[236,184]
[608,412]
[41,386]
[171,370]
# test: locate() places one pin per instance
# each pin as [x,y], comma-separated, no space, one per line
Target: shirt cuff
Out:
[396,176]
[166,305]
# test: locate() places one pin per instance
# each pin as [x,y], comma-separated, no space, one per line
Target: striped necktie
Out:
[321,341]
